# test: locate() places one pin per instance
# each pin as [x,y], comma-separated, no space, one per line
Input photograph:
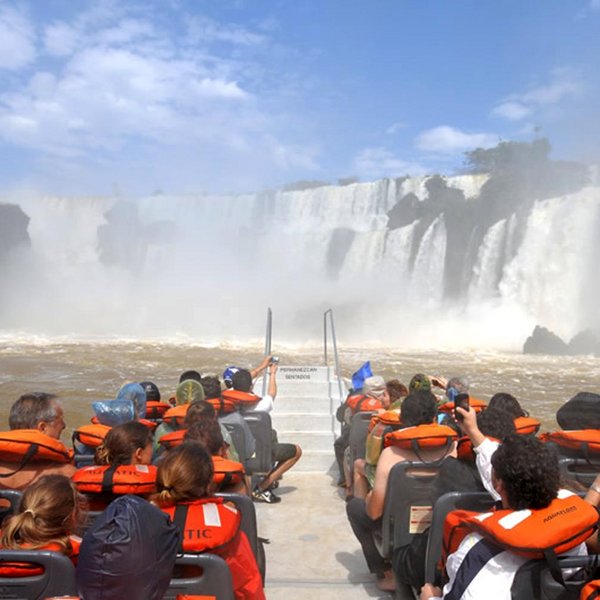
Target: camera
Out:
[274,360]
[463,401]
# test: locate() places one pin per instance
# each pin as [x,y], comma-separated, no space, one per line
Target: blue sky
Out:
[232,96]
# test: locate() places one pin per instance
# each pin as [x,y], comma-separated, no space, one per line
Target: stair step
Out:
[315,461]
[302,421]
[308,440]
[303,404]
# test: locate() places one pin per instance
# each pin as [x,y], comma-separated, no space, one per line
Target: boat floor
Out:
[313,552]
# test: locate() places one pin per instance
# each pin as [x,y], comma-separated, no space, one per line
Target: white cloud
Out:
[449,140]
[17,39]
[202,30]
[512,110]
[565,84]
[122,93]
[395,128]
[374,163]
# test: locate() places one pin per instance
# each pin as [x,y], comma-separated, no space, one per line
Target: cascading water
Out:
[384,254]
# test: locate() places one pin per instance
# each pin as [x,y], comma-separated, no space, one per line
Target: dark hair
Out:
[184,474]
[208,435]
[199,411]
[418,408]
[396,389]
[242,380]
[495,423]
[212,387]
[152,391]
[529,471]
[121,442]
[191,374]
[32,408]
[508,403]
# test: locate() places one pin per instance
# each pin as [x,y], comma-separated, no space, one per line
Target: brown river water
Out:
[83,371]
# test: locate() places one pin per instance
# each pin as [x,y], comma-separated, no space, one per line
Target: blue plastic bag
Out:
[358,378]
[114,412]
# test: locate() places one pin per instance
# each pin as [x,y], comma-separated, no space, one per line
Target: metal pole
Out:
[268,335]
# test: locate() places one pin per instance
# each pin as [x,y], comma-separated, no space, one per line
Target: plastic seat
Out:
[215,579]
[534,580]
[246,507]
[407,507]
[238,437]
[477,501]
[58,578]
[260,426]
[579,469]
[13,497]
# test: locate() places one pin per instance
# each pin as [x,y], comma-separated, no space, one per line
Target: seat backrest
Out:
[248,525]
[359,429]
[578,469]
[12,499]
[83,460]
[477,501]
[57,579]
[534,580]
[238,437]
[407,507]
[260,426]
[214,579]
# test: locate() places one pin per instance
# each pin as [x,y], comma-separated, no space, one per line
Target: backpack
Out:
[128,552]
[582,411]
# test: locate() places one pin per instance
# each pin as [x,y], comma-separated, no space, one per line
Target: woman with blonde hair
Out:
[51,512]
[207,523]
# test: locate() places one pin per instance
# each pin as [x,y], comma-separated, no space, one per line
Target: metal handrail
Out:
[268,338]
[329,313]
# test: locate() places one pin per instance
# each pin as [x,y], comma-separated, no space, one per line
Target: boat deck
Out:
[312,551]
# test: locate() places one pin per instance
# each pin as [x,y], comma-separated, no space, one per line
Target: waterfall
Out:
[207,266]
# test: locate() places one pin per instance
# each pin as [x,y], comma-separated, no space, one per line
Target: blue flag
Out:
[358,378]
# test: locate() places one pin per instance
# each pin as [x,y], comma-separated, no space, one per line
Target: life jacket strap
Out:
[31,452]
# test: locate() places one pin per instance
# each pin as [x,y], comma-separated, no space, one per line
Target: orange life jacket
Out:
[155,409]
[389,417]
[527,425]
[448,407]
[91,435]
[151,425]
[590,591]
[464,448]
[20,446]
[175,416]
[206,524]
[240,399]
[227,472]
[172,439]
[222,405]
[124,479]
[429,436]
[454,532]
[561,526]
[585,440]
[26,569]
[363,403]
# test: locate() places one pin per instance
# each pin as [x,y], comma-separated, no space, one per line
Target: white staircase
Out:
[304,414]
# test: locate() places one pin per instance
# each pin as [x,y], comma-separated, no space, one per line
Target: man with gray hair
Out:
[41,412]
[38,410]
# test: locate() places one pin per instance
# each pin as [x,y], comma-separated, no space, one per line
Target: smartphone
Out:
[461,400]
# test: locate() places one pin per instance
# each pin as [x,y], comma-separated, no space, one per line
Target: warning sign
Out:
[420,518]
